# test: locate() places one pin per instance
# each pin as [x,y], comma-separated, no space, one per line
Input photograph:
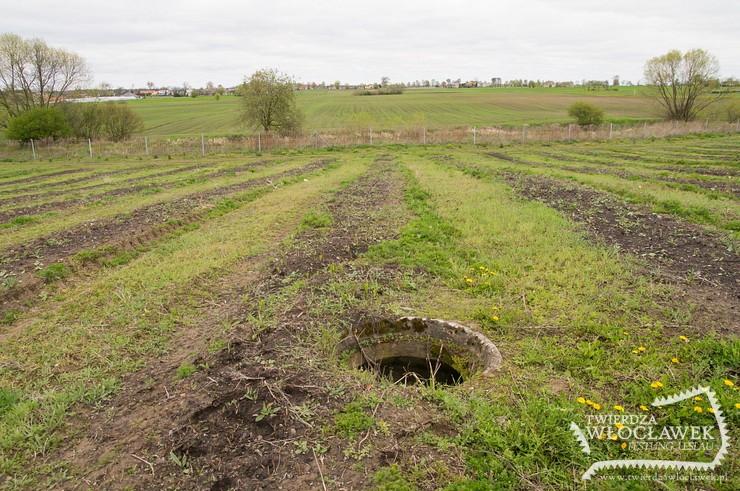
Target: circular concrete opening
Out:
[419,350]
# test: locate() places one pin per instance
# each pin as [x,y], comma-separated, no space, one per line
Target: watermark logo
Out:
[641,432]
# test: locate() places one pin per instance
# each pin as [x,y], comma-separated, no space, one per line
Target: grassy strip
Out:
[697,208]
[570,319]
[52,222]
[99,330]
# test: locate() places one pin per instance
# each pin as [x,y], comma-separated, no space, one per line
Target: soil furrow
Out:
[215,428]
[123,232]
[114,193]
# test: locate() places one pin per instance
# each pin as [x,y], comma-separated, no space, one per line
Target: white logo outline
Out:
[663,464]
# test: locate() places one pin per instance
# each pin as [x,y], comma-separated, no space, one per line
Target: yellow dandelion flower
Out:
[683,338]
[674,360]
[698,409]
[710,410]
[597,406]
[581,400]
[624,445]
[494,317]
[481,268]
[619,426]
[614,436]
[656,385]
[602,436]
[697,398]
[635,351]
[641,348]
[619,408]
[469,280]
[589,402]
[737,405]
[729,383]
[736,388]
[494,308]
[644,408]
[625,333]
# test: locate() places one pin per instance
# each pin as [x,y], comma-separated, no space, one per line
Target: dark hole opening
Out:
[411,370]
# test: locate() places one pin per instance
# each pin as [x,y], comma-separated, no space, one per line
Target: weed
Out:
[54,272]
[353,420]
[316,219]
[268,410]
[185,370]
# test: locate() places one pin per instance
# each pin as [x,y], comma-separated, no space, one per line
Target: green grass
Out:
[568,315]
[132,295]
[327,109]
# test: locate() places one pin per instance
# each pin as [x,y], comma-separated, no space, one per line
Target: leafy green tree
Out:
[586,114]
[269,103]
[681,82]
[37,124]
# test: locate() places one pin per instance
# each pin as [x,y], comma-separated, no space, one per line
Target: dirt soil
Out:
[730,188]
[121,233]
[686,254]
[209,422]
[120,191]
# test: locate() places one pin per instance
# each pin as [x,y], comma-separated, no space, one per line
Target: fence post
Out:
[202,145]
[644,131]
[425,135]
[474,130]
[89,146]
[524,133]
[33,149]
[371,137]
[706,124]
[146,146]
[737,125]
[611,129]
[259,142]
[569,125]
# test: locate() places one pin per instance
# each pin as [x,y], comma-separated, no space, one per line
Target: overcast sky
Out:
[168,43]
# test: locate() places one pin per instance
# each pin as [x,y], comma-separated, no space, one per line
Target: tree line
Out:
[35,77]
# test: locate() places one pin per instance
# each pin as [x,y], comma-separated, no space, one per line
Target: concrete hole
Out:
[418,350]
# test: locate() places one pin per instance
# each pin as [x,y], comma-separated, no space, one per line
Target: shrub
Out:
[586,114]
[116,121]
[37,124]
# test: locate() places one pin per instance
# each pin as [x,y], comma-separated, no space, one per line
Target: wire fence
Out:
[201,145]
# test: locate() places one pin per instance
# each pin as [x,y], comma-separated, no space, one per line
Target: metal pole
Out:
[706,125]
[524,134]
[644,130]
[611,128]
[259,142]
[89,146]
[371,137]
[474,135]
[33,149]
[737,125]
[425,136]
[569,132]
[146,146]
[202,145]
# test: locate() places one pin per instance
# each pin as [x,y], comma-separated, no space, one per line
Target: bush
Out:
[115,121]
[586,114]
[37,124]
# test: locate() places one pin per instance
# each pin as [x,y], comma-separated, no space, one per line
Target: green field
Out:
[327,110]
[174,323]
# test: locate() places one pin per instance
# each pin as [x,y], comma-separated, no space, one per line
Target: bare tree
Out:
[34,74]
[681,82]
